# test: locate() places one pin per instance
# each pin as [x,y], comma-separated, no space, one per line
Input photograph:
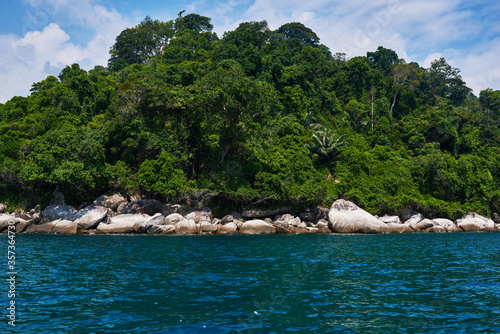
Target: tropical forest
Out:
[255,117]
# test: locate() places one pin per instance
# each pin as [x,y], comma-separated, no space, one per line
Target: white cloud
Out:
[479,68]
[47,51]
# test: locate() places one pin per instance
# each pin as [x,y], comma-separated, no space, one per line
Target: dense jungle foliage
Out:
[253,117]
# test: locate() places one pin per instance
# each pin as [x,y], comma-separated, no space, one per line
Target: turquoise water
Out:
[419,283]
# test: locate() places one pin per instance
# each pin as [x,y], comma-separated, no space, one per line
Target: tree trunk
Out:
[394,101]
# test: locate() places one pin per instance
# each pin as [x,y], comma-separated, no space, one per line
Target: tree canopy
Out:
[253,116]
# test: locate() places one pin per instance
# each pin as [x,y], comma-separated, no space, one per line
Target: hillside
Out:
[254,117]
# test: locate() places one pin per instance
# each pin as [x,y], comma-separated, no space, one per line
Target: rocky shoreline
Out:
[115,215]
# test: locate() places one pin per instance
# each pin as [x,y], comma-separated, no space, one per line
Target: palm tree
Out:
[326,143]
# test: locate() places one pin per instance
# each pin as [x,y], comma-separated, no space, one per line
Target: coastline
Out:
[115,215]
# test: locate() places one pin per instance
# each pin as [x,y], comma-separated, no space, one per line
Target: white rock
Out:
[347,217]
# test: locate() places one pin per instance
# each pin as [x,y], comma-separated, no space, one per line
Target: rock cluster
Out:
[115,215]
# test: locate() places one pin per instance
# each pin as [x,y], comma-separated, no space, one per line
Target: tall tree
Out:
[299,31]
[403,75]
[137,45]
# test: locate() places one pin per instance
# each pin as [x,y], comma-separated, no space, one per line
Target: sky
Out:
[40,37]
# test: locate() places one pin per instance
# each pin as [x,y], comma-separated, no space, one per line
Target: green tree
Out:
[139,44]
[326,143]
[298,31]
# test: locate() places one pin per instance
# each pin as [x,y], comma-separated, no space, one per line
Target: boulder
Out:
[322,226]
[5,219]
[408,213]
[473,222]
[447,224]
[186,226]
[21,226]
[63,212]
[435,229]
[285,218]
[320,213]
[42,228]
[263,213]
[311,230]
[91,216]
[298,229]
[280,229]
[228,228]
[415,219]
[144,206]
[442,222]
[496,218]
[307,216]
[399,228]
[173,219]
[452,228]
[206,227]
[422,225]
[122,223]
[257,227]
[64,227]
[2,208]
[111,202]
[347,217]
[390,219]
[170,208]
[227,219]
[144,226]
[161,229]
[203,215]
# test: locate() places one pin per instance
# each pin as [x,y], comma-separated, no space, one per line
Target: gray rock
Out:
[435,229]
[91,216]
[144,226]
[2,208]
[21,226]
[227,219]
[280,229]
[312,230]
[228,228]
[399,228]
[415,219]
[64,227]
[322,226]
[186,226]
[42,228]
[206,227]
[63,212]
[473,222]
[422,225]
[173,219]
[161,229]
[111,202]
[5,220]
[169,208]
[122,223]
[307,216]
[145,206]
[347,217]
[203,215]
[257,227]
[390,219]
[442,222]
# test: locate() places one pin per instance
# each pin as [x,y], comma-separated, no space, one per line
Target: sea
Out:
[315,283]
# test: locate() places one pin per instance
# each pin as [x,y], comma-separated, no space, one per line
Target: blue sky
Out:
[39,37]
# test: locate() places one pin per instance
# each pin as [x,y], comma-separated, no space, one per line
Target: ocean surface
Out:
[418,283]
